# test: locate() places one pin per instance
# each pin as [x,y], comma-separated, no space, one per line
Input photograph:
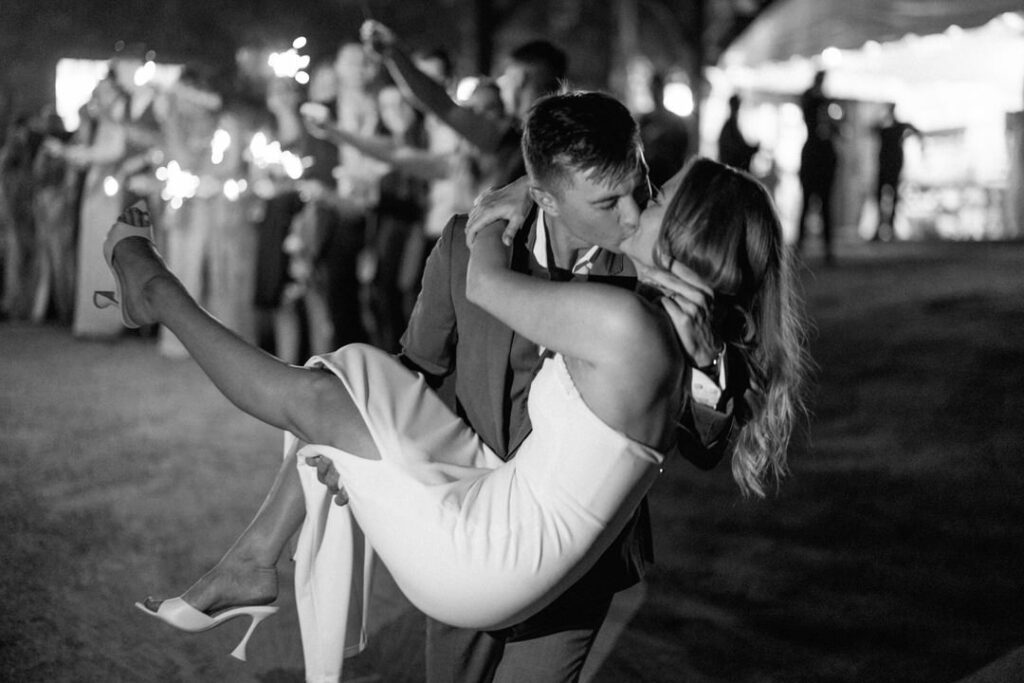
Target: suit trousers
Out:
[555,654]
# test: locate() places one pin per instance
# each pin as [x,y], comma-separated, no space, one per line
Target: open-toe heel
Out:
[119,231]
[183,616]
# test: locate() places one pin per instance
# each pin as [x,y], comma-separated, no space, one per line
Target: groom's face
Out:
[601,211]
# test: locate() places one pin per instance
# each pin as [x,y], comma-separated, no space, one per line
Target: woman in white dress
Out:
[447,517]
[101,196]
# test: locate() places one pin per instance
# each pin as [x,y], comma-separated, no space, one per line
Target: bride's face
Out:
[639,245]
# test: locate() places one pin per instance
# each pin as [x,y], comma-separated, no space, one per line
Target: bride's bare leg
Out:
[310,403]
[247,574]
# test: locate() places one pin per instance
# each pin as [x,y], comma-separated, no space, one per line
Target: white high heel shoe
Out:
[119,231]
[185,617]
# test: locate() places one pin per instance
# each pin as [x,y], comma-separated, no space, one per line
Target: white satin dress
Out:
[471,540]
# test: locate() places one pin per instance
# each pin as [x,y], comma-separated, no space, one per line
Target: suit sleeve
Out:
[428,344]
[702,433]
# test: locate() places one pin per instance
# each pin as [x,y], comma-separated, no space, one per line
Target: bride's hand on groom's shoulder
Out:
[510,203]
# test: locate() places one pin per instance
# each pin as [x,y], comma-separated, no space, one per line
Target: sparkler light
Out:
[233,189]
[291,64]
[111,186]
[265,153]
[219,145]
[179,184]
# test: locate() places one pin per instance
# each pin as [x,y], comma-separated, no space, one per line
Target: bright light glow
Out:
[219,145]
[292,165]
[144,74]
[287,64]
[678,98]
[233,189]
[302,78]
[264,153]
[831,56]
[466,88]
[1013,20]
[75,81]
[299,42]
[110,186]
[179,184]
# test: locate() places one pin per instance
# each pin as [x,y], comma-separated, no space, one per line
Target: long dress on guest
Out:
[189,127]
[231,244]
[101,203]
[17,221]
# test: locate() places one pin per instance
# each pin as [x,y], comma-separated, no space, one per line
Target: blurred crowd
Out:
[299,215]
[302,215]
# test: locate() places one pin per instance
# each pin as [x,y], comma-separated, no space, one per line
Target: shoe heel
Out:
[239,651]
[103,299]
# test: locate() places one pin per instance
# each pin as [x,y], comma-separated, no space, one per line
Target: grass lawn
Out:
[892,553]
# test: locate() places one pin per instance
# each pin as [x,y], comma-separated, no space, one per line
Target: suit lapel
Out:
[499,343]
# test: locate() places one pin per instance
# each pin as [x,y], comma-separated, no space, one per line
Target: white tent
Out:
[955,69]
[805,28]
[875,50]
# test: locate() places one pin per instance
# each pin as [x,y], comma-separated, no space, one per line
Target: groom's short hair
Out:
[581,131]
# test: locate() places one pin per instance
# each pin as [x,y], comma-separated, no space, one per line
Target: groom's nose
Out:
[629,212]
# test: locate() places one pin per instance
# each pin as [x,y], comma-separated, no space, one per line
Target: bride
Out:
[447,517]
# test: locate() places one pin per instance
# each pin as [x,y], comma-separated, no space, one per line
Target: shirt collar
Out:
[583,264]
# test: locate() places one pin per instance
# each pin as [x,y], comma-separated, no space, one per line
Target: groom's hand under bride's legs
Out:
[328,476]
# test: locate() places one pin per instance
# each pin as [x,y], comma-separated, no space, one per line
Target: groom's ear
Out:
[545,200]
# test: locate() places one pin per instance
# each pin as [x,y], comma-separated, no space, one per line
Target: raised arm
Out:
[588,321]
[705,422]
[620,352]
[418,162]
[110,149]
[481,131]
[379,147]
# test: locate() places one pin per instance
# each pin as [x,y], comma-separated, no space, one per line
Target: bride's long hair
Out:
[722,224]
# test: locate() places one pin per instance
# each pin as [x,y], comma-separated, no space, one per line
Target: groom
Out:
[589,144]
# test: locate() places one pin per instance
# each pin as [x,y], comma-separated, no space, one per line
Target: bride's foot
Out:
[136,265]
[229,584]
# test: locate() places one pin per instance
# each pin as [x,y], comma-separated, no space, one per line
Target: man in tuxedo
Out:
[589,183]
